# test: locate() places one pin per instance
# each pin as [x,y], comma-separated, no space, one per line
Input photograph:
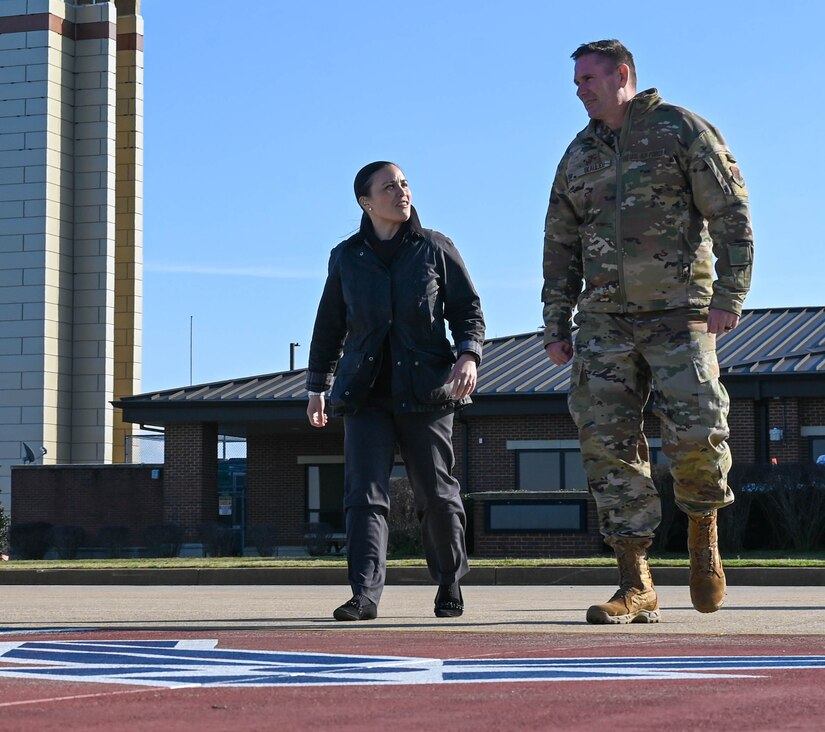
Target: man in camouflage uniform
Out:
[644,199]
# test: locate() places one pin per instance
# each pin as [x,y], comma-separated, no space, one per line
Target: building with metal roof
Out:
[516,446]
[768,346]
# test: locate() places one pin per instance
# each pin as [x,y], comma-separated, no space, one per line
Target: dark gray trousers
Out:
[425,441]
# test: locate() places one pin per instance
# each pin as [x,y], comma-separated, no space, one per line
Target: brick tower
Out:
[71,158]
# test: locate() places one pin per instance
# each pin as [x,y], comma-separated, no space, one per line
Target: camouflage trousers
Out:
[618,360]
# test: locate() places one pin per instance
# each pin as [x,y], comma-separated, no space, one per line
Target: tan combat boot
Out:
[635,601]
[707,577]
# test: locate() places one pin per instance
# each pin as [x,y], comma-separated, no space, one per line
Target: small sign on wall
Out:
[224,505]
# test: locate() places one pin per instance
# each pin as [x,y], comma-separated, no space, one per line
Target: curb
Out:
[479,576]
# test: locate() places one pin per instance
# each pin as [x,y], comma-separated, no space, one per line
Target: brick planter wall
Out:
[90,496]
[532,544]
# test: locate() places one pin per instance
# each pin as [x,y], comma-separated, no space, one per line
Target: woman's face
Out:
[390,197]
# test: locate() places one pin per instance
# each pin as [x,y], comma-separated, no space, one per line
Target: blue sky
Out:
[259,114]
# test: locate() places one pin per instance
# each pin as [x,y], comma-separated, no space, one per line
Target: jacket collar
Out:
[640,105]
[413,226]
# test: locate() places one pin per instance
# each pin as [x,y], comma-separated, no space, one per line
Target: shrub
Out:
[4,531]
[316,538]
[67,540]
[734,520]
[30,540]
[114,538]
[163,540]
[794,496]
[264,537]
[216,539]
[670,527]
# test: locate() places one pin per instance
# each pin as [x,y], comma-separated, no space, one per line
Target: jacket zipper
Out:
[623,135]
[365,247]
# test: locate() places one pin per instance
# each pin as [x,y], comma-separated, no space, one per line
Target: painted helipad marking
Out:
[187,663]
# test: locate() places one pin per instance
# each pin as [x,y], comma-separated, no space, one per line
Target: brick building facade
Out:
[516,447]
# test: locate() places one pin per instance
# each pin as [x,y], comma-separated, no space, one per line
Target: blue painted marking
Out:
[176,664]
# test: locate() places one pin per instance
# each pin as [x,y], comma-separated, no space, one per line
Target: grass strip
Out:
[762,559]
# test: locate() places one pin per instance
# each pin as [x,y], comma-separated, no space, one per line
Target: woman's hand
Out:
[315,411]
[464,376]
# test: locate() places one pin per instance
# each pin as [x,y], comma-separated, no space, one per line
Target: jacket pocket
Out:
[428,375]
[353,378]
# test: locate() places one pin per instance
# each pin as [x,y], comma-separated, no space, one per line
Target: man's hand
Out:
[721,321]
[464,376]
[559,352]
[315,411]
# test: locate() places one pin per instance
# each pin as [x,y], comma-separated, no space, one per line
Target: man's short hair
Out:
[612,50]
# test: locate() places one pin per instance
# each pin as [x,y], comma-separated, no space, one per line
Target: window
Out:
[545,517]
[817,449]
[657,456]
[325,494]
[556,465]
[550,470]
[325,490]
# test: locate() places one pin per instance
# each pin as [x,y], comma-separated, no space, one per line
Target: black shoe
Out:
[448,601]
[357,608]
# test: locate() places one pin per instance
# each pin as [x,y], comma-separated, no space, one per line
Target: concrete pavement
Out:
[102,657]
[16,573]
[786,611]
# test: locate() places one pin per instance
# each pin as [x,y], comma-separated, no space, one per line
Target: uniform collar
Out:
[640,105]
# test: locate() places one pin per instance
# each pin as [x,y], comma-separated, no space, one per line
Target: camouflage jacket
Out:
[639,219]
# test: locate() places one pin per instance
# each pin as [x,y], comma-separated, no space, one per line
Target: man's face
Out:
[599,85]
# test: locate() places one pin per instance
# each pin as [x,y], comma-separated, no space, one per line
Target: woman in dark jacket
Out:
[392,290]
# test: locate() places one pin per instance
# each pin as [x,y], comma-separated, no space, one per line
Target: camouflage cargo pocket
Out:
[706,365]
[712,396]
[578,398]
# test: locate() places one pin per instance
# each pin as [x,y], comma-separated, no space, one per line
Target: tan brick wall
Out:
[70,124]
[128,326]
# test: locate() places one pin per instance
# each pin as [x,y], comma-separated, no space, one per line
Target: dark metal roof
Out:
[777,342]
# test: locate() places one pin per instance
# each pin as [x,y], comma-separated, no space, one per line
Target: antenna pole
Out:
[191,341]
